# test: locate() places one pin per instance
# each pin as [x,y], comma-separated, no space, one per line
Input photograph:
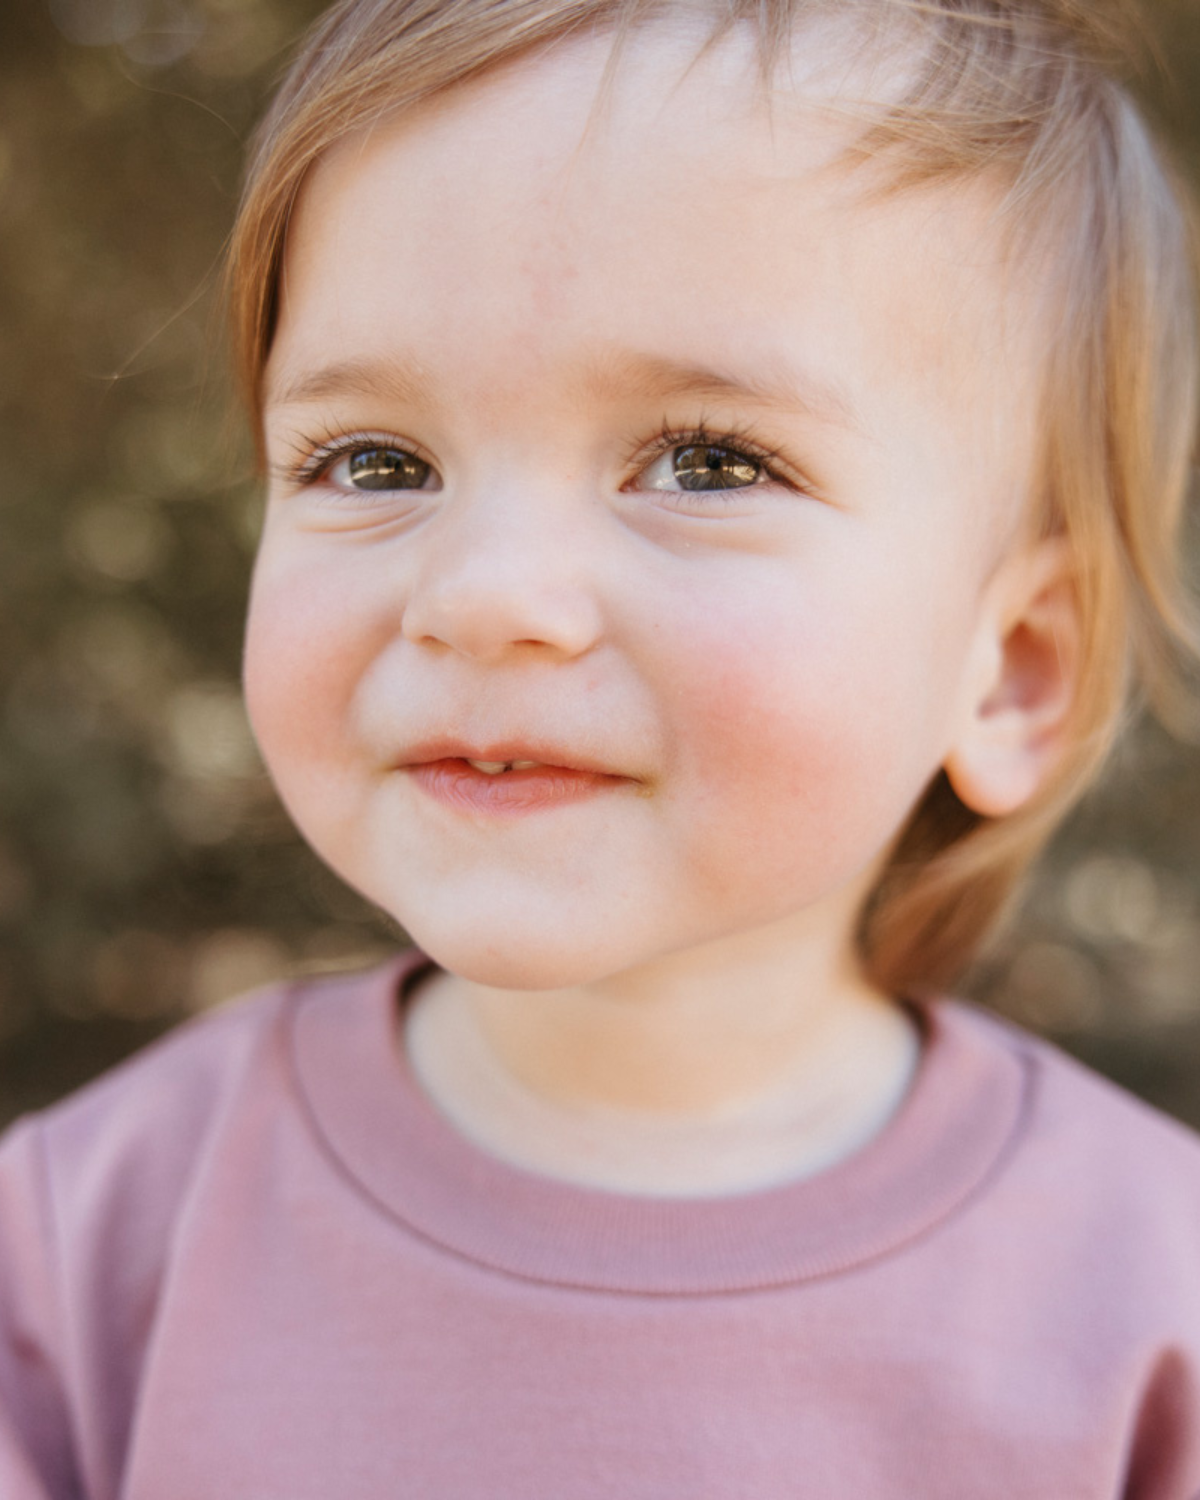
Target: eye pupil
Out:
[387,469]
[705,466]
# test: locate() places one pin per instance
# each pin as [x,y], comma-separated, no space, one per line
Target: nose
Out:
[504,573]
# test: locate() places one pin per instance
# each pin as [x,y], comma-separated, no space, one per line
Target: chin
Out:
[504,959]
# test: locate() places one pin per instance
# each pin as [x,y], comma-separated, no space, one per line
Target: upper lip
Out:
[543,752]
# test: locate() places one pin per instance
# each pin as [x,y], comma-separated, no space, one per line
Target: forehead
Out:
[684,210]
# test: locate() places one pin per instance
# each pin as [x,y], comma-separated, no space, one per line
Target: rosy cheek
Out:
[301,664]
[780,733]
[763,725]
[751,683]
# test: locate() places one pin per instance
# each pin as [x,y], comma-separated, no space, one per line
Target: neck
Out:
[731,1067]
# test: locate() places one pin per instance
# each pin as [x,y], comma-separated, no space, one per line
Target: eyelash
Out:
[320,452]
[734,439]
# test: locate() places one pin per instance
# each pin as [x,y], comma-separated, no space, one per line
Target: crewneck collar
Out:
[961,1117]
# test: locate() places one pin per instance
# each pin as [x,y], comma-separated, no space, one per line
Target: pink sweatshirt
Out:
[255,1263]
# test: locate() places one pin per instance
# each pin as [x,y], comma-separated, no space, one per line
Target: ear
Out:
[1022,681]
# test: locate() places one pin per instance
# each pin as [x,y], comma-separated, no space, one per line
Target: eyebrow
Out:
[773,386]
[352,377]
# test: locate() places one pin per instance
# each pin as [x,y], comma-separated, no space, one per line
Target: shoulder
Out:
[158,1103]
[107,1194]
[91,1192]
[1073,1101]
[103,1175]
[117,1158]
[1090,1154]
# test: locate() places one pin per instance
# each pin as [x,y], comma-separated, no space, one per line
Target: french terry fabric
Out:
[255,1263]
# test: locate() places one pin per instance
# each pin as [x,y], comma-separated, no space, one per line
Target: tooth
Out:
[495,767]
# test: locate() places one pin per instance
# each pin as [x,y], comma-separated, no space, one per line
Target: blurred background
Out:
[146,870]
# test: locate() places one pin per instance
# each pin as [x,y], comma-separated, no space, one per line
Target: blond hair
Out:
[1017,88]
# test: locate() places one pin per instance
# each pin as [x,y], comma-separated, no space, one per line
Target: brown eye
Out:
[706,466]
[383,469]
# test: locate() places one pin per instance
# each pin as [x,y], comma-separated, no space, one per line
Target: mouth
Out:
[505,758]
[502,768]
[505,779]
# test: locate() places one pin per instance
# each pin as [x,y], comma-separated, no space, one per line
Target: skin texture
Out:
[770,674]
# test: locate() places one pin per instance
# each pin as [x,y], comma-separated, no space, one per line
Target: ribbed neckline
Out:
[962,1115]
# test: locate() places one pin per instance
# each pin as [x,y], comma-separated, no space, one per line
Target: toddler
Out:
[724,465]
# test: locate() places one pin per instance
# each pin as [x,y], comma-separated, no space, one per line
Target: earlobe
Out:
[1024,682]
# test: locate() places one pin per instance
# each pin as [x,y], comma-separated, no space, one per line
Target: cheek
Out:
[305,652]
[805,734]
[772,728]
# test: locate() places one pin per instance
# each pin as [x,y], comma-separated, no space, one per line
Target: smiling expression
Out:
[646,448]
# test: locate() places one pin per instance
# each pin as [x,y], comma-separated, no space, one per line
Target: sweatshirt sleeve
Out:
[1164,1461]
[36,1447]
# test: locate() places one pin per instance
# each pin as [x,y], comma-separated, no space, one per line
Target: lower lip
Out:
[457,784]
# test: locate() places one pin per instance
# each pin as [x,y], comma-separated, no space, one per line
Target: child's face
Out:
[770,671]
